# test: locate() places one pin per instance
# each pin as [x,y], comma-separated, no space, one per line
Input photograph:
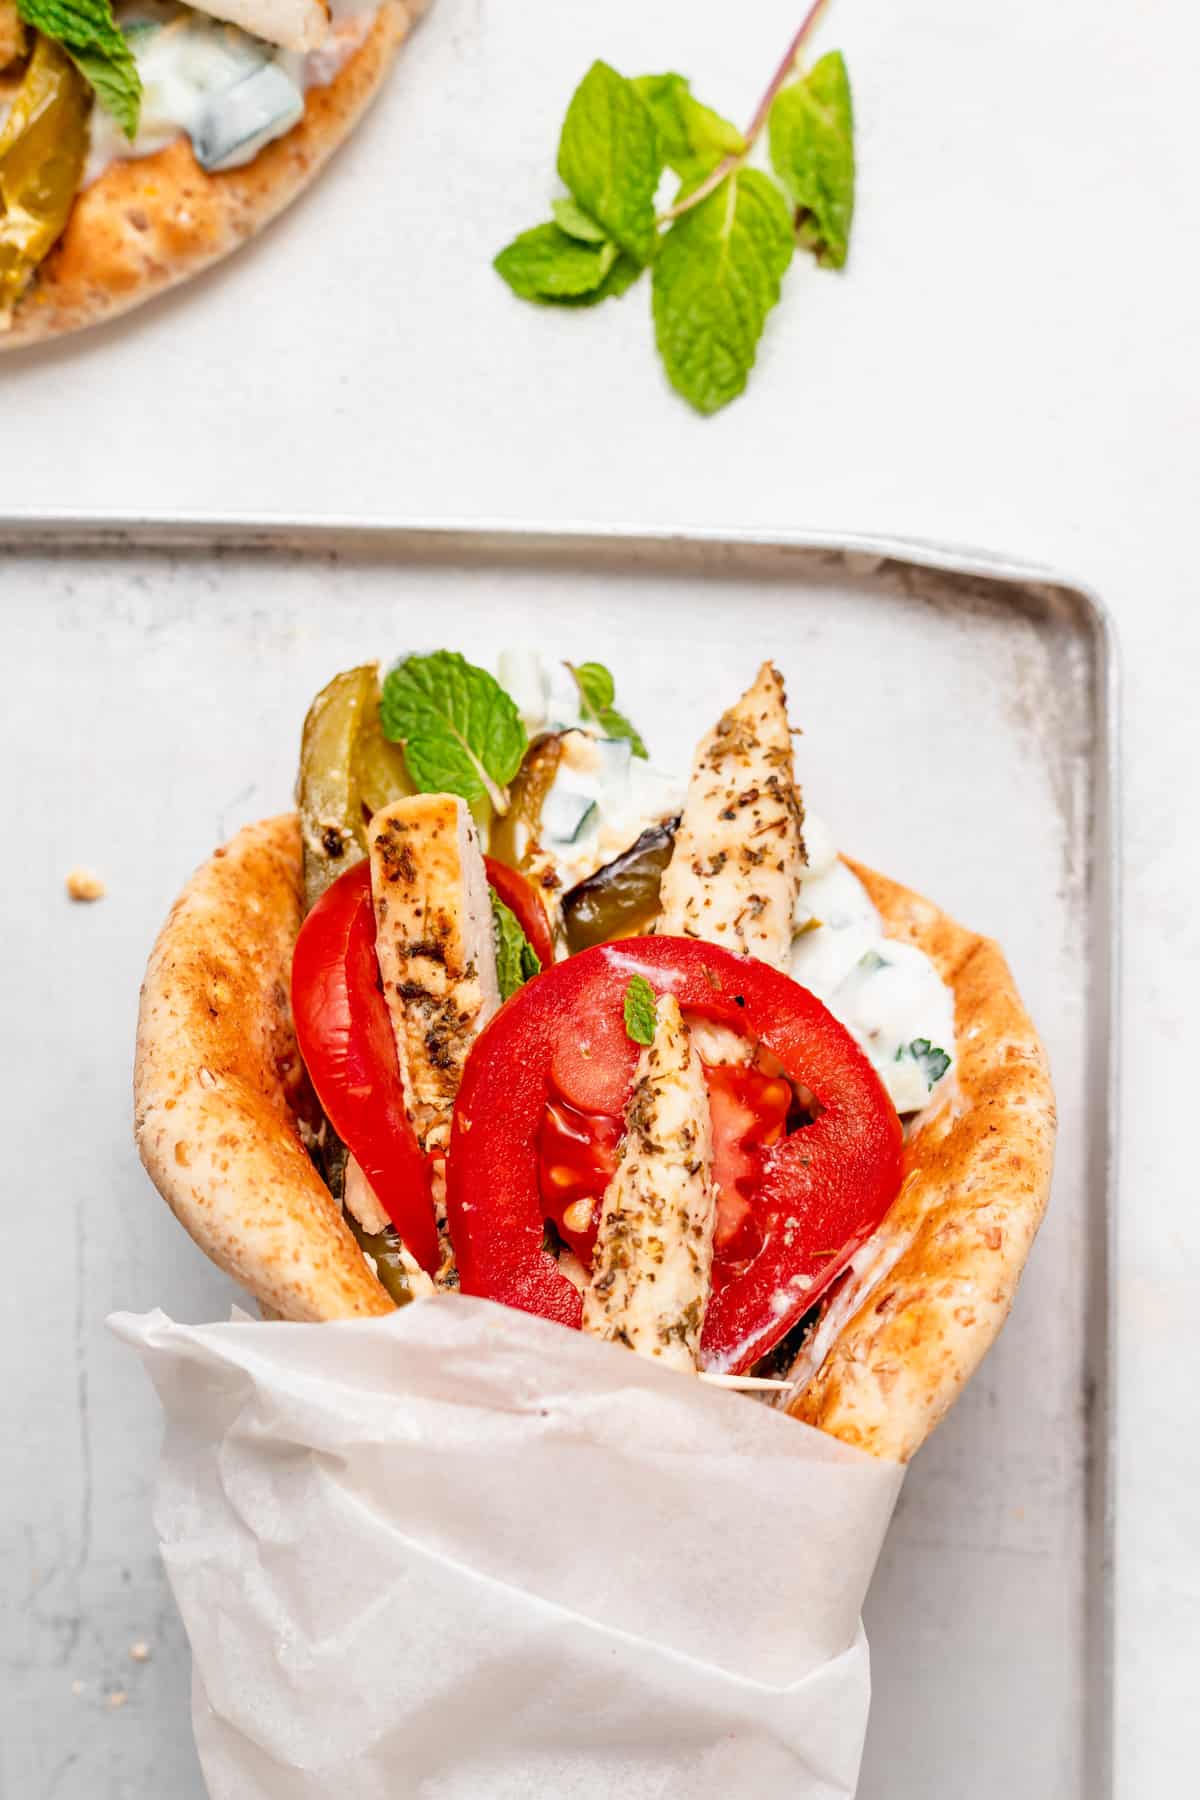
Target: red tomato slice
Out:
[345,1038]
[821,1191]
[525,903]
[749,1113]
[594,1060]
[577,1158]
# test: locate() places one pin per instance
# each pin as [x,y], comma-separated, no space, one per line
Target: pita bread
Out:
[154,221]
[936,1282]
[219,1088]
[220,1091]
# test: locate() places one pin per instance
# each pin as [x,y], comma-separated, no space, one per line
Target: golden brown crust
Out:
[219,1085]
[977,1177]
[149,223]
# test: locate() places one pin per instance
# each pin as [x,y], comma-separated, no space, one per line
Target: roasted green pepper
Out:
[348,770]
[384,1249]
[621,899]
[43,145]
[514,836]
[379,765]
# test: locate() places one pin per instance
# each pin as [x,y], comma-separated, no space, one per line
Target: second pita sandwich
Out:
[141,142]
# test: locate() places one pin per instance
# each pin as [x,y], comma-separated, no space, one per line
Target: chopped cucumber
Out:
[236,122]
[566,815]
[230,93]
[616,754]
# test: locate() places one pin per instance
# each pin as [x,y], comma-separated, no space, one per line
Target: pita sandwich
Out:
[224,1115]
[238,106]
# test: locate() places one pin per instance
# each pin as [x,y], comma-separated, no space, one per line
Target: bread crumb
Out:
[117,1698]
[139,1652]
[85,884]
[77,1687]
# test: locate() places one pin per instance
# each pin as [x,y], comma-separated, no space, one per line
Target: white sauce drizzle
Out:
[887,994]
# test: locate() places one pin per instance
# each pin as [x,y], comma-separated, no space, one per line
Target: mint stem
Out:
[754,130]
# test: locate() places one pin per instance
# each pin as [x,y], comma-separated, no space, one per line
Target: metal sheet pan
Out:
[960,732]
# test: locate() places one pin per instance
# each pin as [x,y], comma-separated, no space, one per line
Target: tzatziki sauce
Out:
[886,993]
[231,94]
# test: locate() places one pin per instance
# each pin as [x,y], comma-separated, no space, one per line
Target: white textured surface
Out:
[1010,361]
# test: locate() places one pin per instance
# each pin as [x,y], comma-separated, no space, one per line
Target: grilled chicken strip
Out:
[435,946]
[739,853]
[651,1273]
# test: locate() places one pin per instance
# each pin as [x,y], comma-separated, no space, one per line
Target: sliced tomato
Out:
[749,1114]
[525,903]
[817,1193]
[593,1061]
[345,1038]
[577,1158]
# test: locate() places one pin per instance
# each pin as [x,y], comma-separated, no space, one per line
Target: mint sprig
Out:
[516,960]
[604,232]
[641,1010]
[91,37]
[720,250]
[597,692]
[811,138]
[461,732]
[609,160]
[546,264]
[716,280]
[570,217]
[692,138]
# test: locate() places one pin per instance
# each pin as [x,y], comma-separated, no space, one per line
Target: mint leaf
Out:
[570,217]
[812,150]
[546,264]
[621,276]
[692,138]
[608,156]
[460,730]
[717,276]
[516,960]
[597,689]
[596,693]
[933,1063]
[641,1010]
[550,266]
[92,39]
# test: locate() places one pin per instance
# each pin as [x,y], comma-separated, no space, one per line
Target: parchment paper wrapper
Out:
[464,1554]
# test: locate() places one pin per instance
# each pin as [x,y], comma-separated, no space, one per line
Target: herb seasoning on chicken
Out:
[739,853]
[435,947]
[653,1261]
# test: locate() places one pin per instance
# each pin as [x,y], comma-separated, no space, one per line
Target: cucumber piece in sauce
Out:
[566,815]
[234,123]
